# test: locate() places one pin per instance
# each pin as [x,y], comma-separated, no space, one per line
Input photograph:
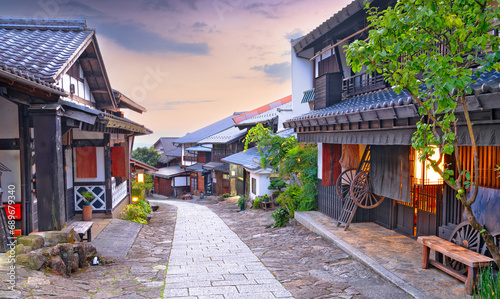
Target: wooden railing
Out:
[362,83]
[191,158]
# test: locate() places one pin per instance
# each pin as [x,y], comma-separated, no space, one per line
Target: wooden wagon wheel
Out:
[496,236]
[466,236]
[344,182]
[361,192]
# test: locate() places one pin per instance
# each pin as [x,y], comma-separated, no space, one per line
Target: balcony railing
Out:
[362,83]
[191,158]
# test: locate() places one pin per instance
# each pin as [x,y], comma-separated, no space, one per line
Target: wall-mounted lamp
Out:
[140,177]
[425,174]
[135,199]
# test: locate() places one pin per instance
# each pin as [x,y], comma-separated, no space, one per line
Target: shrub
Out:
[137,212]
[280,217]
[277,184]
[487,284]
[241,201]
[226,195]
[256,202]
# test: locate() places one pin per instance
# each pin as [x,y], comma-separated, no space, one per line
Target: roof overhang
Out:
[125,102]
[139,164]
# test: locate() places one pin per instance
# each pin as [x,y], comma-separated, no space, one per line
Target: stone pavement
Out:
[208,260]
[308,265]
[393,256]
[116,238]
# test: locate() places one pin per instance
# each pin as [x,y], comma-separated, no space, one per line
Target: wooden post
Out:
[49,169]
[107,173]
[425,258]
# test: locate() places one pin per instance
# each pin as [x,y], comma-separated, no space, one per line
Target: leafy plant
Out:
[277,184]
[241,201]
[434,50]
[256,202]
[280,217]
[487,285]
[226,195]
[137,212]
[88,197]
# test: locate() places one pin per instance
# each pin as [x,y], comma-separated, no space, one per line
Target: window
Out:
[254,186]
[86,162]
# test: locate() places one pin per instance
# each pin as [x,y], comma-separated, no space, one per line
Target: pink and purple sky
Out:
[193,62]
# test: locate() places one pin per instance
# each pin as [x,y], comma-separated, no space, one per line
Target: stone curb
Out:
[304,219]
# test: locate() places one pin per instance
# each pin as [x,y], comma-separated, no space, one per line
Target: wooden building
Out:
[62,131]
[361,125]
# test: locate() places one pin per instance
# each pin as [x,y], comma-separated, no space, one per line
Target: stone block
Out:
[82,254]
[50,251]
[58,266]
[90,250]
[34,241]
[20,249]
[56,237]
[74,263]
[66,254]
[34,261]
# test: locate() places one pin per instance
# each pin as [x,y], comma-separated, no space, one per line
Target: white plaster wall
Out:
[302,80]
[320,161]
[11,159]
[77,134]
[181,181]
[68,157]
[100,167]
[82,89]
[262,182]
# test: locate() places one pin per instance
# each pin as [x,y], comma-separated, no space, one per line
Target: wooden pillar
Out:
[25,147]
[107,173]
[49,169]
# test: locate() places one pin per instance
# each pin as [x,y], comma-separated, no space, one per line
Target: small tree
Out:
[431,49]
[148,155]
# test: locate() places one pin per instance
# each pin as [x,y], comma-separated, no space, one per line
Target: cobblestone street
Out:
[239,256]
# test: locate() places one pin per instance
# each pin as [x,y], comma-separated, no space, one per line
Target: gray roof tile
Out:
[207,131]
[41,47]
[249,159]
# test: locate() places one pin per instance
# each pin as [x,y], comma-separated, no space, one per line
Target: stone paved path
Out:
[208,259]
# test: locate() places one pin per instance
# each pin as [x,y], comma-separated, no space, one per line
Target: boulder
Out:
[34,261]
[82,254]
[20,249]
[73,265]
[90,250]
[50,251]
[72,235]
[56,237]
[34,241]
[66,254]
[57,265]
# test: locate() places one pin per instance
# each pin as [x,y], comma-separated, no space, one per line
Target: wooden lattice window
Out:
[489,158]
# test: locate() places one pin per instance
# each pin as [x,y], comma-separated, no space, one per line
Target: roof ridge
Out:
[44,24]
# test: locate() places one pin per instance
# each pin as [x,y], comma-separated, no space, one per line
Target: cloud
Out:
[171,5]
[294,34]
[278,72]
[135,37]
[172,105]
[239,77]
[199,25]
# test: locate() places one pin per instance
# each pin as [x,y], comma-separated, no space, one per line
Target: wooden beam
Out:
[338,43]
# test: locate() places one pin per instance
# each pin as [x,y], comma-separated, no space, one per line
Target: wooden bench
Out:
[82,228]
[471,259]
[266,205]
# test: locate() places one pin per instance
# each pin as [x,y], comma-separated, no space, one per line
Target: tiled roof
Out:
[30,80]
[217,166]
[198,167]
[487,82]
[226,136]
[170,171]
[266,116]
[285,133]
[262,109]
[177,152]
[200,148]
[42,48]
[207,131]
[249,159]
[166,143]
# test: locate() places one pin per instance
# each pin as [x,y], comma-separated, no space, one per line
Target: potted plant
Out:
[87,206]
[265,198]
[241,203]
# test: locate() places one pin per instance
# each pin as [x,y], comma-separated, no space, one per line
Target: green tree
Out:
[432,49]
[148,155]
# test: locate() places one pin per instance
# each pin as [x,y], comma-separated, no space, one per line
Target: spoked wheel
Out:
[344,182]
[466,236]
[361,192]
[496,236]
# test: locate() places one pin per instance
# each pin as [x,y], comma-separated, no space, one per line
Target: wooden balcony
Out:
[191,158]
[362,83]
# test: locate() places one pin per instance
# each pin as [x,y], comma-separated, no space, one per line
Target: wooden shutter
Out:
[86,162]
[118,162]
[331,166]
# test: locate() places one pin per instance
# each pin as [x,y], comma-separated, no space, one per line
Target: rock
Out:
[66,254]
[50,251]
[90,250]
[74,262]
[82,254]
[20,249]
[57,265]
[34,241]
[72,235]
[28,248]
[56,237]
[34,261]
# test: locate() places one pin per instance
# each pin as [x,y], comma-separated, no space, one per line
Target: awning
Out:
[200,148]
[308,96]
[198,167]
[122,123]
